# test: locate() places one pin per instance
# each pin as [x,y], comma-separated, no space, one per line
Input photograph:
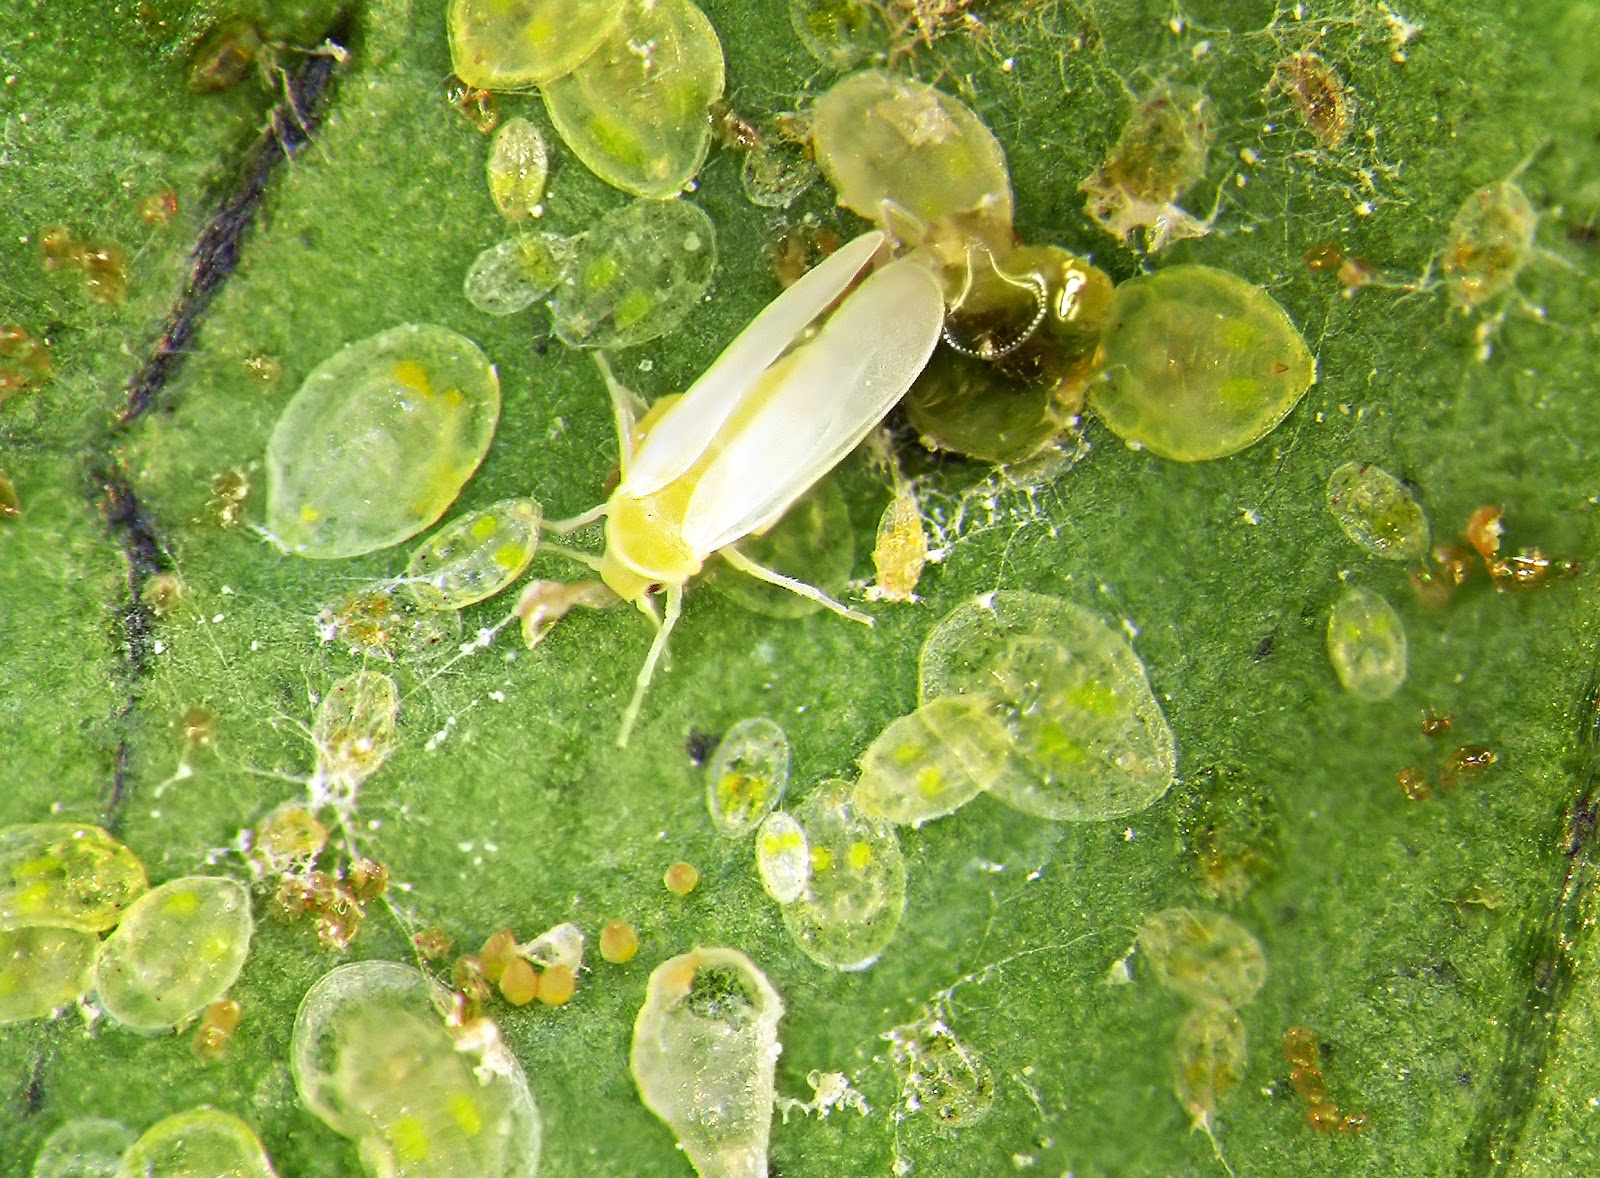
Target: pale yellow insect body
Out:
[781,407]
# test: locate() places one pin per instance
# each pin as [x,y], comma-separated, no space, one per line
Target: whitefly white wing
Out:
[684,431]
[831,392]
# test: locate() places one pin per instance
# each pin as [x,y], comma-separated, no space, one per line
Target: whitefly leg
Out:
[658,648]
[588,559]
[773,577]
[565,527]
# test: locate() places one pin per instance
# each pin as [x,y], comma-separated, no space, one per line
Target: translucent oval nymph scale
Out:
[1377,511]
[178,949]
[519,164]
[783,857]
[934,761]
[913,159]
[476,556]
[65,875]
[747,776]
[705,1050]
[1367,645]
[1490,240]
[202,1142]
[43,970]
[1197,363]
[1206,957]
[379,441]
[638,274]
[514,274]
[637,111]
[1087,739]
[855,893]
[374,1060]
[513,44]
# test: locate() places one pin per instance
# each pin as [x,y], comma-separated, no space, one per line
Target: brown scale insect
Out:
[263,368]
[368,880]
[1484,528]
[198,726]
[1467,761]
[1528,568]
[735,132]
[478,107]
[104,265]
[1413,783]
[24,363]
[432,943]
[227,55]
[229,490]
[215,1032]
[799,248]
[159,208]
[1436,723]
[10,504]
[1319,94]
[1301,1050]
[1323,257]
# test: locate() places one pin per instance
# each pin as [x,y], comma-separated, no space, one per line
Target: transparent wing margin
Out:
[682,435]
[818,405]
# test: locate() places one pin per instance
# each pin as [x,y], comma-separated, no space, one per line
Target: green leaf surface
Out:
[1442,951]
